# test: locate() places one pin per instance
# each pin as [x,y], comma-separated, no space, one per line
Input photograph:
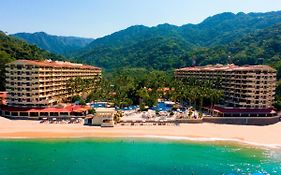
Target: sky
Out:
[97,18]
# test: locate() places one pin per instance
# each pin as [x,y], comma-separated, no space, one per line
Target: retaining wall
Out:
[243,120]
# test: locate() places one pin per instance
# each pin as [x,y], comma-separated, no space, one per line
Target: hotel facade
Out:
[35,88]
[248,90]
[43,83]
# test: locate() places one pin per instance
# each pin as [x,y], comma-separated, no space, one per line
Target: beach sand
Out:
[259,135]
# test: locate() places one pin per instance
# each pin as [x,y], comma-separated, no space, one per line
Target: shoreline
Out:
[259,136]
[228,141]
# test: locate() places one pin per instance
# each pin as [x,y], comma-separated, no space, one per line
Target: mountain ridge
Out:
[63,45]
[167,46]
[127,48]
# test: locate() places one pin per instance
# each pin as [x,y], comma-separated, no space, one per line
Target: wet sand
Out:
[258,135]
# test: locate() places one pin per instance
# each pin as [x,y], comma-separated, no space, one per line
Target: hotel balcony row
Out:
[34,88]
[53,69]
[24,80]
[230,77]
[247,105]
[256,85]
[247,102]
[26,102]
[251,98]
[42,94]
[254,99]
[248,87]
[51,75]
[227,73]
[267,93]
[25,87]
[9,75]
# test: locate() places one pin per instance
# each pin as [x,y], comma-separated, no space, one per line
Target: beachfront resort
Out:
[36,89]
[42,90]
[248,90]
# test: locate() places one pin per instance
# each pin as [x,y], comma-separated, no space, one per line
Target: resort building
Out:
[248,90]
[103,117]
[58,112]
[35,89]
[43,83]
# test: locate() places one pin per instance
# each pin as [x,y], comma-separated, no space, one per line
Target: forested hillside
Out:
[167,46]
[260,47]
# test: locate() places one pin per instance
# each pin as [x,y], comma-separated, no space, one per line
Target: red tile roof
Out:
[48,63]
[230,67]
[3,95]
[70,108]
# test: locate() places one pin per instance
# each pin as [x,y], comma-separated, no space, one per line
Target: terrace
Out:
[68,111]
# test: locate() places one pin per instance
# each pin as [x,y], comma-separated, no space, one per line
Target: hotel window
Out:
[29,66]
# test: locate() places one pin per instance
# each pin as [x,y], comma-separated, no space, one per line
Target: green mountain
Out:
[259,47]
[167,46]
[56,44]
[12,48]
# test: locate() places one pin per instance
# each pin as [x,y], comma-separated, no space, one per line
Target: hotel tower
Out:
[248,90]
[43,83]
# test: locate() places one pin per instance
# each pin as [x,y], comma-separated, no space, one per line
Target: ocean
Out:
[134,157]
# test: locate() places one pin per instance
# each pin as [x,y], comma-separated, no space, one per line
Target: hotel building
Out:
[248,90]
[43,83]
[104,117]
[36,87]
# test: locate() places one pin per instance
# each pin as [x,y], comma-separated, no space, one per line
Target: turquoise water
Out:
[99,105]
[133,157]
[161,106]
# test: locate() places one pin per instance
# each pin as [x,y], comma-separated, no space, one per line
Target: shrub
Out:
[277,105]
[82,102]
[92,111]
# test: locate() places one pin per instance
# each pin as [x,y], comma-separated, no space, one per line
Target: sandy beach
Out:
[259,135]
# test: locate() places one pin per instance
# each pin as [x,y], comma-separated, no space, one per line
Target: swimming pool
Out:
[162,106]
[99,105]
[131,107]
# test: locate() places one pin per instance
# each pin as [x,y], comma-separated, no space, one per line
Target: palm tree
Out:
[117,116]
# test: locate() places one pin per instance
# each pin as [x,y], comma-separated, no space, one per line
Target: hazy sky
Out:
[96,18]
